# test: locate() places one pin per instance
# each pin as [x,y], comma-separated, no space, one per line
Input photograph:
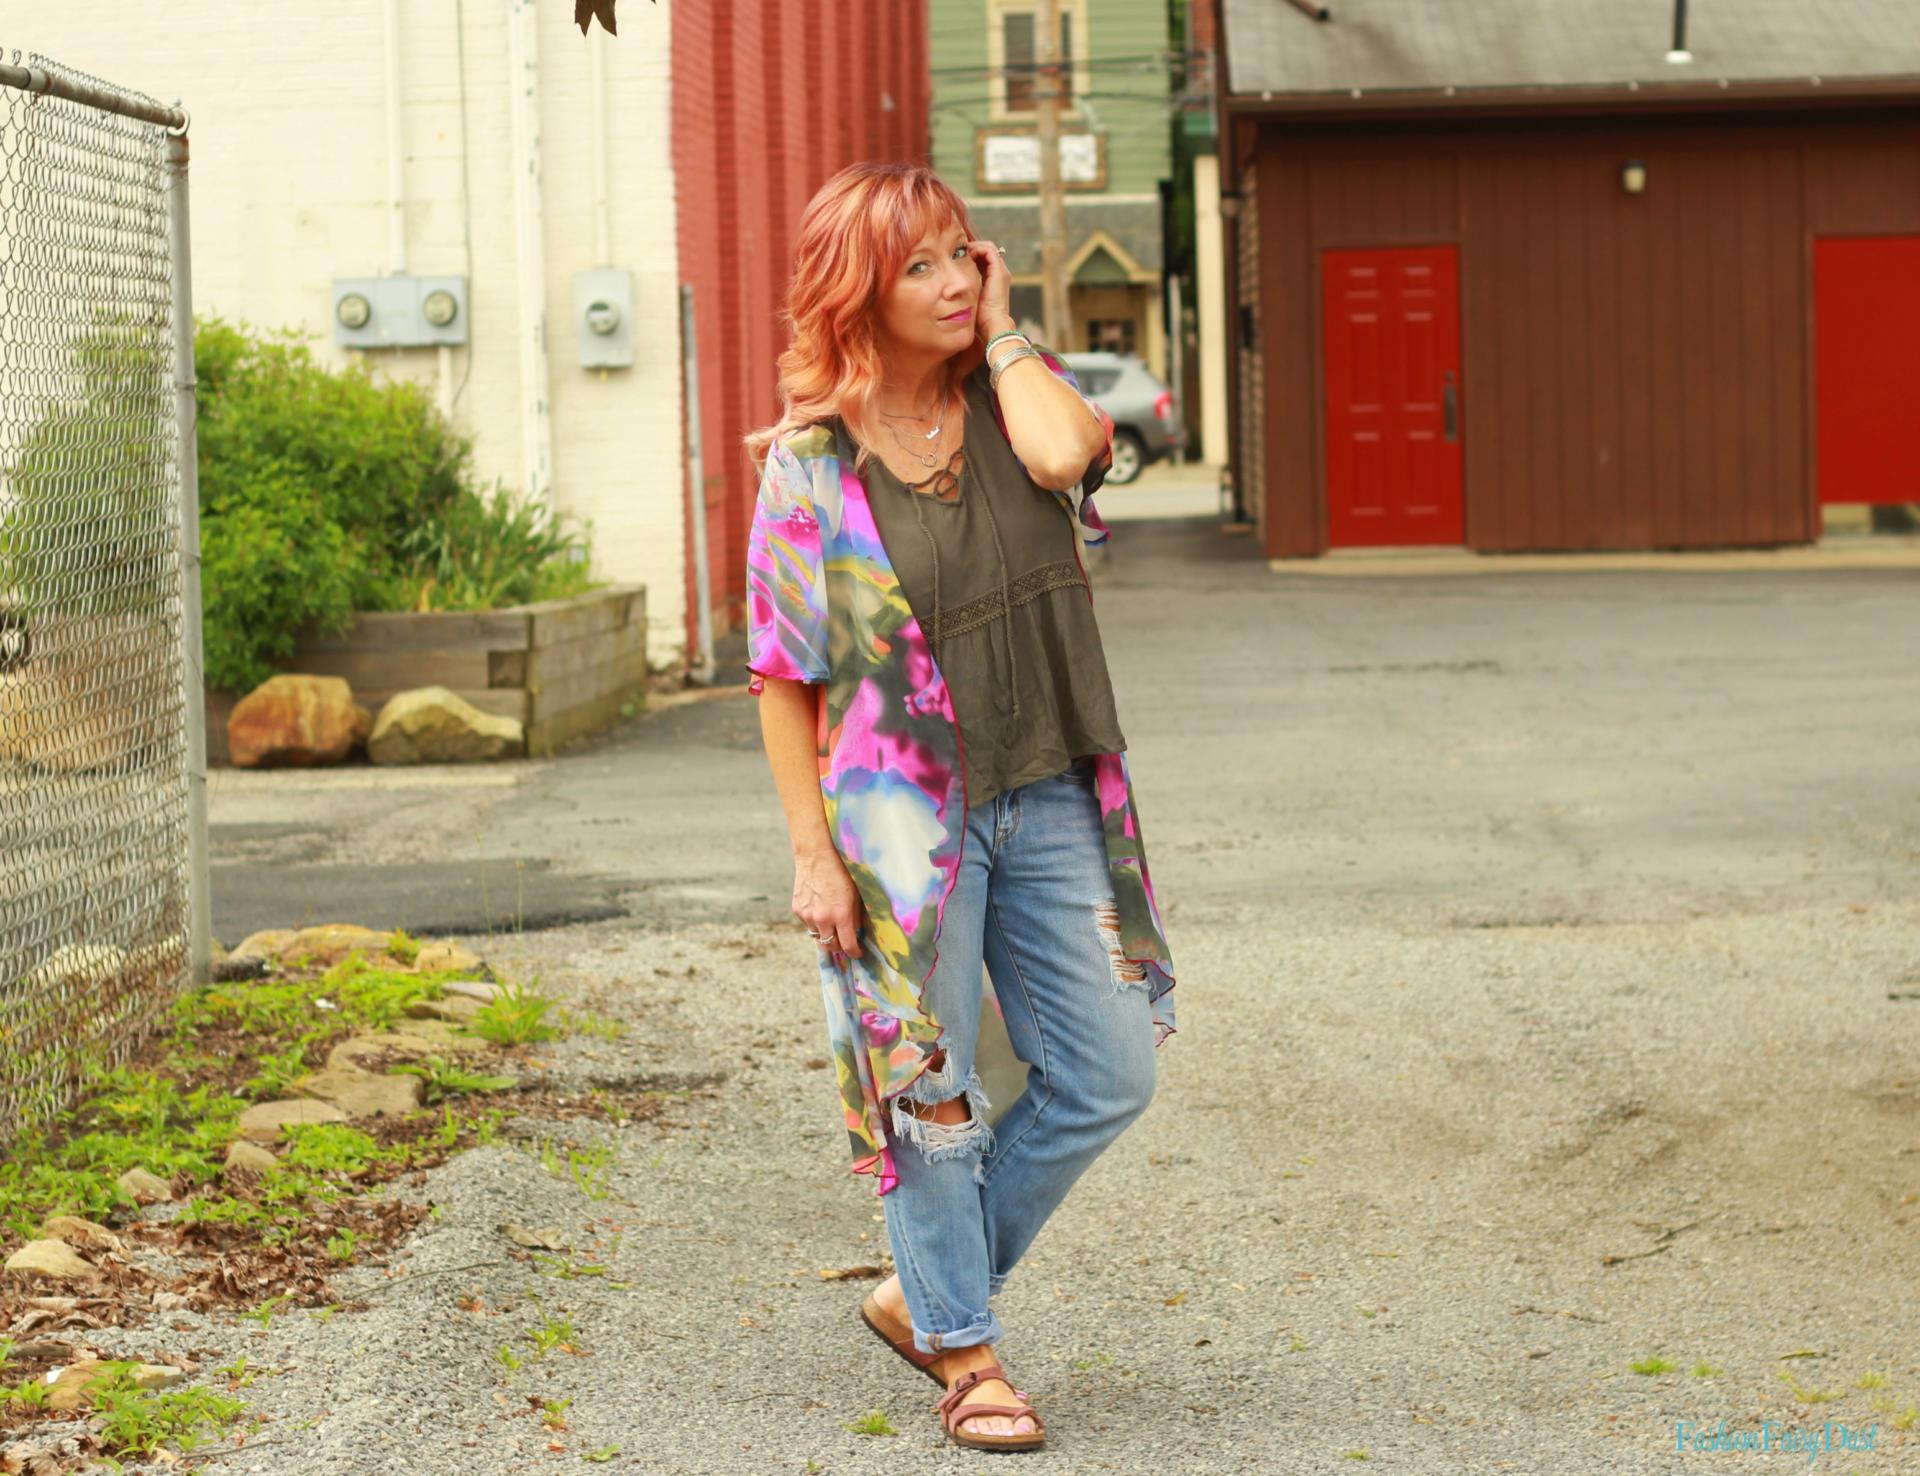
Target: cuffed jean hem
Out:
[985,1329]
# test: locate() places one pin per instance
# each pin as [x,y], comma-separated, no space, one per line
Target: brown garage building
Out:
[1510,278]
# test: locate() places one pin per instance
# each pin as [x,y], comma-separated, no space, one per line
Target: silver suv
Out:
[1144,426]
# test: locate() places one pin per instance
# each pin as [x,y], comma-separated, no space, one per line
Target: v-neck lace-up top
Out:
[995,579]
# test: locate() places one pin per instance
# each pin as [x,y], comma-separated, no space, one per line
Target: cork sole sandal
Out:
[954,1409]
[874,1316]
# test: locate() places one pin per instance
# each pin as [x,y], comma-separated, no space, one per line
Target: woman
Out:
[937,714]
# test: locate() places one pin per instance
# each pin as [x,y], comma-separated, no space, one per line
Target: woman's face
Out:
[928,309]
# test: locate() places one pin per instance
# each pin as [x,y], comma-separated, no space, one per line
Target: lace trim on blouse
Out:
[1022,590]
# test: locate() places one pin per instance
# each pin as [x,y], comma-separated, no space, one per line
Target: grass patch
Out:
[1705,1370]
[873,1422]
[1653,1365]
[1810,1396]
[516,1016]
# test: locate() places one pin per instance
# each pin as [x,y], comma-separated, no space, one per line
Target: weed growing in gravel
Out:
[1810,1396]
[601,1456]
[29,1394]
[341,1246]
[1906,1419]
[553,1414]
[133,1422]
[1093,1361]
[553,1332]
[237,1375]
[1653,1365]
[441,1079]
[263,1314]
[516,1016]
[588,1022]
[587,1167]
[507,1358]
[1870,1380]
[1705,1370]
[873,1422]
[1355,1455]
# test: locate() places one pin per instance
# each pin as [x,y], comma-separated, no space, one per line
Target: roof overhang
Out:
[1582,98]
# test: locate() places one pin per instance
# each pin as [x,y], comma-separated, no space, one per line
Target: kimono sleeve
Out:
[1078,499]
[786,578]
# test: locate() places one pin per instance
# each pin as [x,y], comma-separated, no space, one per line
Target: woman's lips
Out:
[962,316]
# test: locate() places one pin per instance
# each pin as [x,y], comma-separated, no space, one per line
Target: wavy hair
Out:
[855,235]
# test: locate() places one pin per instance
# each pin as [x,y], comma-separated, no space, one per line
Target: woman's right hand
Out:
[827,901]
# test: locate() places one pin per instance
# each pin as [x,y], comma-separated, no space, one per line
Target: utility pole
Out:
[1053,205]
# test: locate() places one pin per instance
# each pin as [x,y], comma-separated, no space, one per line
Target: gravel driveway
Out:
[1548,951]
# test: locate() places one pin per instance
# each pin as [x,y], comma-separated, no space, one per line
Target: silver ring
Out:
[1001,249]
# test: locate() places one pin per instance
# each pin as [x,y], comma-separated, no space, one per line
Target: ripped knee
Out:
[1124,971]
[952,1125]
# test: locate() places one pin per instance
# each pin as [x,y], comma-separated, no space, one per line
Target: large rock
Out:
[72,1230]
[431,725]
[74,1388]
[446,958]
[455,1009]
[53,1259]
[143,1187]
[362,1094]
[296,721]
[251,1158]
[264,1123]
[356,1053]
[325,945]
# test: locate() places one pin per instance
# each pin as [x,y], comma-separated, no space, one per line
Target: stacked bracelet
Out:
[1005,357]
[1028,352]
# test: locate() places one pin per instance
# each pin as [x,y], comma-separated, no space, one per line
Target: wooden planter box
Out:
[564,668]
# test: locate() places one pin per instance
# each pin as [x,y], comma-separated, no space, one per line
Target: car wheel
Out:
[1129,455]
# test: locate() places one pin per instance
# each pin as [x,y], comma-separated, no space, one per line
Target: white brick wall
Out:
[289,191]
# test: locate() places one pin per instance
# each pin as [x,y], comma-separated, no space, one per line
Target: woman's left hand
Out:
[996,287]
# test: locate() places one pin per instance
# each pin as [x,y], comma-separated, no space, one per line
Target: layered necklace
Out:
[915,443]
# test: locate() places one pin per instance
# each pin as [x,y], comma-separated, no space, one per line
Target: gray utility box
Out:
[399,311]
[603,317]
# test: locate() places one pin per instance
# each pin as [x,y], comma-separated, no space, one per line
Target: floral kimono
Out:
[824,607]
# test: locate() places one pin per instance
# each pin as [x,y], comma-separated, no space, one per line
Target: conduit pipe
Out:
[529,221]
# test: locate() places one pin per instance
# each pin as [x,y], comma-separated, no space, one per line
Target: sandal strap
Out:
[953,1408]
[967,1380]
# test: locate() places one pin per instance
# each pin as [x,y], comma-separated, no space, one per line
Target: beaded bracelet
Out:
[1008,333]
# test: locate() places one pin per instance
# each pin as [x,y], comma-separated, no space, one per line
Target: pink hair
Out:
[855,235]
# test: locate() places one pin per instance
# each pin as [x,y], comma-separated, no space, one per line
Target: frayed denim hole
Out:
[1125,972]
[943,1140]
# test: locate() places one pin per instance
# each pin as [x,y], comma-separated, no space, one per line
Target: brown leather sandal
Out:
[871,1312]
[953,1409]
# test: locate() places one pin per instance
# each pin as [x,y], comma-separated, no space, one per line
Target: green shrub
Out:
[322,492]
[310,480]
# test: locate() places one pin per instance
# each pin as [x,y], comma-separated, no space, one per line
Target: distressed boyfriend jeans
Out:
[1034,901]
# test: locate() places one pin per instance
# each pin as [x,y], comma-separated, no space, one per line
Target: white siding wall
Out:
[289,191]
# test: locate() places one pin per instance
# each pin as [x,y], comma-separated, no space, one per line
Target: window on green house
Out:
[1017,45]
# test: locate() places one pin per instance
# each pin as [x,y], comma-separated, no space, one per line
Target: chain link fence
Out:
[102,759]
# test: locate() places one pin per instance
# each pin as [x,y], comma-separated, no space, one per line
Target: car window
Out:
[1097,382]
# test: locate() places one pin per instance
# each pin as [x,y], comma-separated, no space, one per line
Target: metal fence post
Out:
[192,653]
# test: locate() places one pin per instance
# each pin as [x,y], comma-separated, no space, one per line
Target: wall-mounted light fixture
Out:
[1633,177]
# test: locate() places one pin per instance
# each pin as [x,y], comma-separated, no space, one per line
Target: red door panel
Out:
[1866,325]
[1391,323]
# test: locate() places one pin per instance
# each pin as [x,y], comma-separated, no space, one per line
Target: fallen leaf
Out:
[1175,1300]
[852,1273]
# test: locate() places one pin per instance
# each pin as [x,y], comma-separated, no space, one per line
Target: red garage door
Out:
[1866,366]
[1391,321]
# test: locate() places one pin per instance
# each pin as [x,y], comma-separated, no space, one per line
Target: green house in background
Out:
[1115,153]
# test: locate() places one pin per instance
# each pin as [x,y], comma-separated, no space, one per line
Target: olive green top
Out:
[988,563]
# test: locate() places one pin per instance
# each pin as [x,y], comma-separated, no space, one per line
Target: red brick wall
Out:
[769,99]
[1206,25]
